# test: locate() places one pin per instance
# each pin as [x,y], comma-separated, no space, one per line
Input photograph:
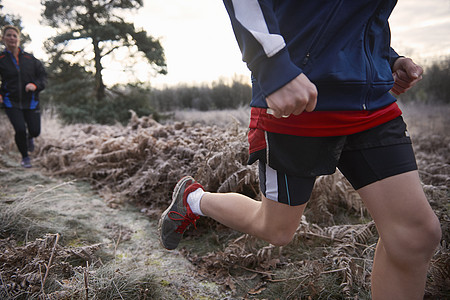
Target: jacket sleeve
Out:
[393,56]
[263,47]
[41,75]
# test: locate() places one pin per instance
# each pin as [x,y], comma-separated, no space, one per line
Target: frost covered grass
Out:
[331,255]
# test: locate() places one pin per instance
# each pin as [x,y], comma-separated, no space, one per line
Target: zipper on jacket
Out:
[16,64]
[318,37]
[20,87]
[370,67]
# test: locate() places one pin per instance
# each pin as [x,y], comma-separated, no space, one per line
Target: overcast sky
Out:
[200,46]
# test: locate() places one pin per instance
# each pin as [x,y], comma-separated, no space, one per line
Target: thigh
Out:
[17,119]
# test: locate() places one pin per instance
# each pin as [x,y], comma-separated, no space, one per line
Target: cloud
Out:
[421,28]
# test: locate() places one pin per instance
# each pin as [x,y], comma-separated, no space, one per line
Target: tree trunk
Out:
[99,85]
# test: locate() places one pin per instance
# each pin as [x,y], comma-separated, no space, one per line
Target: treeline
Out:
[71,93]
[220,94]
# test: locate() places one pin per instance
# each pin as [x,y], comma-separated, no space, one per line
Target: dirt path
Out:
[127,236]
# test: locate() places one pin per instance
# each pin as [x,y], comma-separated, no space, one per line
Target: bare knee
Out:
[280,237]
[276,223]
[279,234]
[429,235]
[417,245]
[433,234]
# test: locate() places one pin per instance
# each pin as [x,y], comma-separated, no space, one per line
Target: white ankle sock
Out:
[193,200]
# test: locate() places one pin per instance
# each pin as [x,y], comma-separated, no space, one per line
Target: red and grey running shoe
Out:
[178,216]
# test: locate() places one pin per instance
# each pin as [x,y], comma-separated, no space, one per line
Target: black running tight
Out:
[21,120]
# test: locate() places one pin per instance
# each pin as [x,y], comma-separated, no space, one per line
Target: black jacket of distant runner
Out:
[15,75]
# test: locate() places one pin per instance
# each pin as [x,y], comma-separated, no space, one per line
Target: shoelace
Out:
[187,219]
[190,217]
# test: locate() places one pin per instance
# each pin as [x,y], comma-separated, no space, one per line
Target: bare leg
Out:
[269,220]
[409,233]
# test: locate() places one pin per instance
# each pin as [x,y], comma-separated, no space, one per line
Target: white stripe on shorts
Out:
[271,184]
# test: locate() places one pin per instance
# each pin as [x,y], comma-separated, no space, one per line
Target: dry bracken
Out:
[142,162]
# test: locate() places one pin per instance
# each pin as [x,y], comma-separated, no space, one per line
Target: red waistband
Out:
[323,123]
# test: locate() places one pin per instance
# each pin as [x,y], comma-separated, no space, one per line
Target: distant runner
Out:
[23,77]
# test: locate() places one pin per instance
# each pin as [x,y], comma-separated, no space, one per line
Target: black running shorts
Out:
[290,164]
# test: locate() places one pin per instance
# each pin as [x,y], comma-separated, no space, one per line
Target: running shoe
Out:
[26,162]
[178,216]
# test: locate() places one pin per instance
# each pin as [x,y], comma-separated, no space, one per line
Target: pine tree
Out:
[100,24]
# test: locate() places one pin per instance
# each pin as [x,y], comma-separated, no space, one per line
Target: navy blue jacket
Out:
[15,76]
[342,46]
